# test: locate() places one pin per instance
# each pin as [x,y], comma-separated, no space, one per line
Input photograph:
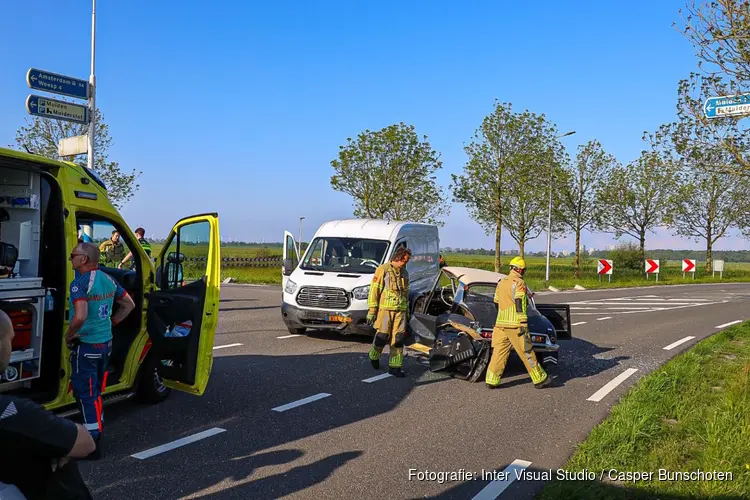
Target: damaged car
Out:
[452,323]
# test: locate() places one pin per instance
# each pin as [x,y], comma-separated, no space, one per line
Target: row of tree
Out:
[691,177]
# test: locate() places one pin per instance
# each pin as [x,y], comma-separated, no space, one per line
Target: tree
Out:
[505,143]
[41,136]
[579,198]
[637,197]
[390,175]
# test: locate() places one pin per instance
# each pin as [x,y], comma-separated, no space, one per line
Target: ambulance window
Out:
[113,246]
[186,258]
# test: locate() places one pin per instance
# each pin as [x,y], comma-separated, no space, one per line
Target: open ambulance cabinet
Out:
[22,294]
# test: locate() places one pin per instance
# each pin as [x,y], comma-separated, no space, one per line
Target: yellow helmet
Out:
[518,262]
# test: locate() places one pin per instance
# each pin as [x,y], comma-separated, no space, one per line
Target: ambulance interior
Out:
[34,275]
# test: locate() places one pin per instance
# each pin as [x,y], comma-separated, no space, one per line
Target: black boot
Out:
[545,383]
[397,372]
[490,386]
[375,363]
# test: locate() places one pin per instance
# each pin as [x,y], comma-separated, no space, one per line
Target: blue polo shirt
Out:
[99,290]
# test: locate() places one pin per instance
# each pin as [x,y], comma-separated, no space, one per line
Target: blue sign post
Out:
[57,84]
[726,106]
[57,110]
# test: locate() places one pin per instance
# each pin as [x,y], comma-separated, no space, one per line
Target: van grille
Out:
[323,297]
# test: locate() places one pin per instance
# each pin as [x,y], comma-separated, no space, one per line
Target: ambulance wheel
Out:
[296,331]
[150,388]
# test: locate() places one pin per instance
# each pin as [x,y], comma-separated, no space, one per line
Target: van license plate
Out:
[337,318]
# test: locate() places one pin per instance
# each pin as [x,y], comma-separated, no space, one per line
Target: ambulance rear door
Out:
[183,312]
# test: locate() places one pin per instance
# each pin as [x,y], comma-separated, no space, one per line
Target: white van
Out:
[327,289]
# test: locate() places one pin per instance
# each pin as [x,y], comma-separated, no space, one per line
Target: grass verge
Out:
[690,415]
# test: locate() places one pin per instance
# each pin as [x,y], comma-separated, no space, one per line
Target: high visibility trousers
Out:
[89,380]
[391,330]
[502,341]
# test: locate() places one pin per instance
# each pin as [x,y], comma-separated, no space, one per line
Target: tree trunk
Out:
[709,262]
[498,234]
[577,263]
[642,250]
[521,245]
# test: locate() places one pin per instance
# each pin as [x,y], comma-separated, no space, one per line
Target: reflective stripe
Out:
[92,427]
[396,359]
[492,379]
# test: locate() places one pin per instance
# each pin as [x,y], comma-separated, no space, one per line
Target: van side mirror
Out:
[288,267]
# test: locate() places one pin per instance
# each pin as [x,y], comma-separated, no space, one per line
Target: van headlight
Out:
[361,292]
[290,287]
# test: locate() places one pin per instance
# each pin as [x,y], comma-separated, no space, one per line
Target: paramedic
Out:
[388,308]
[112,250]
[37,446]
[89,334]
[141,233]
[512,329]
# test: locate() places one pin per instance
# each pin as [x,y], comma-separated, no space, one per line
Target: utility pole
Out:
[92,84]
[549,214]
[299,243]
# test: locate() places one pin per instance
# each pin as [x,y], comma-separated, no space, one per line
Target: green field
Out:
[561,269]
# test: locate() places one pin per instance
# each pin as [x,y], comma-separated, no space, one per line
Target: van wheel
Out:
[296,331]
[151,389]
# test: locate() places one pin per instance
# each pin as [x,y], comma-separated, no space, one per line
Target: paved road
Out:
[301,417]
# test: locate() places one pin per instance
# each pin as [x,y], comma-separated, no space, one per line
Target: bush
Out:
[626,256]
[263,252]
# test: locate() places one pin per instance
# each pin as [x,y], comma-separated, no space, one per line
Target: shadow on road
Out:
[253,308]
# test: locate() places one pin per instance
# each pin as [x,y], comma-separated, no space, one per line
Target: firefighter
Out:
[388,309]
[512,330]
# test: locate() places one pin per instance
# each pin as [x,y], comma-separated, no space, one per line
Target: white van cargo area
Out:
[328,287]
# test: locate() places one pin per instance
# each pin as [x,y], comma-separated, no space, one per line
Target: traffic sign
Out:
[718,266]
[71,146]
[57,84]
[58,110]
[729,105]
[688,265]
[605,266]
[652,266]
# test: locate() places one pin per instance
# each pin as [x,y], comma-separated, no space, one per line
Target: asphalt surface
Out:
[389,438]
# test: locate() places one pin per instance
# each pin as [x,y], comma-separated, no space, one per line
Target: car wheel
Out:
[150,388]
[296,331]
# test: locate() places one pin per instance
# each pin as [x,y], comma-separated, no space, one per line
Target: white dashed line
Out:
[599,395]
[679,342]
[496,487]
[301,402]
[288,336]
[176,444]
[579,323]
[377,377]
[729,324]
[605,317]
[225,346]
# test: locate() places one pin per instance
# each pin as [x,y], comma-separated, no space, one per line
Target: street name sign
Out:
[604,266]
[57,110]
[688,265]
[729,105]
[57,84]
[71,146]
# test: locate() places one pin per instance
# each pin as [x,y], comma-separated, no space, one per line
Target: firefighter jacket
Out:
[512,302]
[389,289]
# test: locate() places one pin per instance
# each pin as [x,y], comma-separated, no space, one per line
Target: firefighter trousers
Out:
[391,330]
[88,380]
[503,339]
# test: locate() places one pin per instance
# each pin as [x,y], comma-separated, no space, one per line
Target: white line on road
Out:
[225,346]
[377,377]
[599,395]
[301,402]
[288,336]
[605,317]
[730,323]
[579,323]
[679,342]
[176,444]
[496,487]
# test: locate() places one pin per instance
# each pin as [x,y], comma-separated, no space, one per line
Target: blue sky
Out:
[239,107]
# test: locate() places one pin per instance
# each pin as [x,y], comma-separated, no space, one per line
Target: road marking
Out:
[301,402]
[605,317]
[579,323]
[225,346]
[496,487]
[176,444]
[288,336]
[599,395]
[679,342]
[377,377]
[730,323]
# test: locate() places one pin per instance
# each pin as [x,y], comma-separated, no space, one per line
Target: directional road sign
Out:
[58,110]
[604,267]
[688,265]
[730,105]
[57,84]
[652,266]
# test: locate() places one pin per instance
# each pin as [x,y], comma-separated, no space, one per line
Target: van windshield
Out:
[345,255]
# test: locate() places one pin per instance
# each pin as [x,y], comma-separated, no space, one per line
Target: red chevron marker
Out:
[688,265]
[605,266]
[652,266]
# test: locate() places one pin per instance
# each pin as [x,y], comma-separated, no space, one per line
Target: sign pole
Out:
[92,83]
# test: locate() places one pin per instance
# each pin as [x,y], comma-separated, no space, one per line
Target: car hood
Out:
[347,281]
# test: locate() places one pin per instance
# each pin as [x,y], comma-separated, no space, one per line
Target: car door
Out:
[290,258]
[559,316]
[182,314]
